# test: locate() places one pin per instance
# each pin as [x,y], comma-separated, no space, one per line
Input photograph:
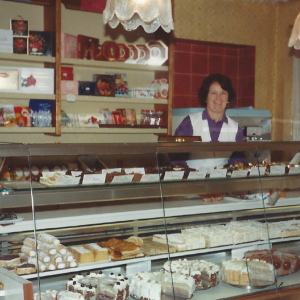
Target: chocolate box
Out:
[87,47]
[86,88]
[36,80]
[40,43]
[9,80]
[67,73]
[69,87]
[105,85]
[68,45]
[6,41]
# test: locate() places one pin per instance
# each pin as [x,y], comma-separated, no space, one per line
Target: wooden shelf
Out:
[116,130]
[115,99]
[111,65]
[19,96]
[27,58]
[12,130]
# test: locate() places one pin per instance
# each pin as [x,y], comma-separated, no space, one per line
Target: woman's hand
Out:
[212,197]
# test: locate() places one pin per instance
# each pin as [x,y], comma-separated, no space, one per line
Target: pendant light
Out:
[150,14]
[295,36]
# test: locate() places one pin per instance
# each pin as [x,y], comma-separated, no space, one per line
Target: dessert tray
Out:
[3,222]
[256,284]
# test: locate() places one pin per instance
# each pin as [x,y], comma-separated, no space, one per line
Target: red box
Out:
[67,73]
[68,45]
[87,47]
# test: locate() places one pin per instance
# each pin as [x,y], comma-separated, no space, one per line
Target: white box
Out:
[36,80]
[6,41]
[9,80]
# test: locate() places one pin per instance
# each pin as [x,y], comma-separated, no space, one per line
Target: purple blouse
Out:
[186,129]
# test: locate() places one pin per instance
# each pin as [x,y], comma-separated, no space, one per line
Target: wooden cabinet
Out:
[55,16]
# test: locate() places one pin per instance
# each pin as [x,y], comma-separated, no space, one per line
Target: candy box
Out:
[37,80]
[69,87]
[105,85]
[9,80]
[86,88]
[68,45]
[67,73]
[121,87]
[6,41]
[22,116]
[87,47]
[40,43]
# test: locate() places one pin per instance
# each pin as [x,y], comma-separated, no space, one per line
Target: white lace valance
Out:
[295,36]
[151,14]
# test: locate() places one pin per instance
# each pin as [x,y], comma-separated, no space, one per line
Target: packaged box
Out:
[131,116]
[122,112]
[41,112]
[69,87]
[87,47]
[121,88]
[67,73]
[68,45]
[8,115]
[6,41]
[20,45]
[9,80]
[139,92]
[90,120]
[86,88]
[105,85]
[40,43]
[108,118]
[19,27]
[36,80]
[23,116]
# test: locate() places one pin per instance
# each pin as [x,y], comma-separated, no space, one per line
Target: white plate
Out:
[11,221]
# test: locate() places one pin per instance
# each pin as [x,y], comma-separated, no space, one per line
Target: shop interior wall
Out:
[263,25]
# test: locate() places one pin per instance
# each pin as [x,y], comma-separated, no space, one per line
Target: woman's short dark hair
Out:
[225,83]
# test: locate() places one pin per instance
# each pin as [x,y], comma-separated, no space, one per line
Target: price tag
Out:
[48,174]
[135,170]
[106,171]
[197,175]
[150,177]
[257,171]
[239,173]
[93,178]
[207,170]
[277,170]
[71,98]
[122,179]
[173,175]
[215,173]
[76,173]
[67,181]
[294,170]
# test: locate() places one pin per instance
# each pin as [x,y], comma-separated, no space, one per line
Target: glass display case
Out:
[158,220]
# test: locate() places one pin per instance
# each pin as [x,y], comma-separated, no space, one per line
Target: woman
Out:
[216,94]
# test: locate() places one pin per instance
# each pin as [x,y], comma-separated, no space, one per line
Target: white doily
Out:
[150,14]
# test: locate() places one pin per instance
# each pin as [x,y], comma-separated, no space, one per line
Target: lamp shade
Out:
[150,14]
[294,40]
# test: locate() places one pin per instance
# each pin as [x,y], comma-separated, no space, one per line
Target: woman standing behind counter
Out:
[215,94]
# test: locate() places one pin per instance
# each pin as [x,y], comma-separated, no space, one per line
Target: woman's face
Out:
[217,98]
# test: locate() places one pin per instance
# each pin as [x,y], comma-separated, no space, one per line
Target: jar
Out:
[143,116]
[152,115]
[147,117]
[159,117]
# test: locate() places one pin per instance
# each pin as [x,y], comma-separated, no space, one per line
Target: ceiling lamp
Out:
[150,14]
[295,36]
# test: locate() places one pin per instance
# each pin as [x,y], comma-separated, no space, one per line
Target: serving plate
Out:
[11,221]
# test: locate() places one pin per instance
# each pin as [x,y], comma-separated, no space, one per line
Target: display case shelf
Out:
[111,65]
[19,96]
[27,58]
[124,100]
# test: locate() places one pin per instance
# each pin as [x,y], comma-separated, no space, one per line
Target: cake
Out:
[25,269]
[120,249]
[67,295]
[205,274]
[81,254]
[248,272]
[153,248]
[284,262]
[9,260]
[100,254]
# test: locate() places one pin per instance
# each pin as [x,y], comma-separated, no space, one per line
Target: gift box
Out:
[40,43]
[67,73]
[69,87]
[87,47]
[6,41]
[86,88]
[22,115]
[68,45]
[36,80]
